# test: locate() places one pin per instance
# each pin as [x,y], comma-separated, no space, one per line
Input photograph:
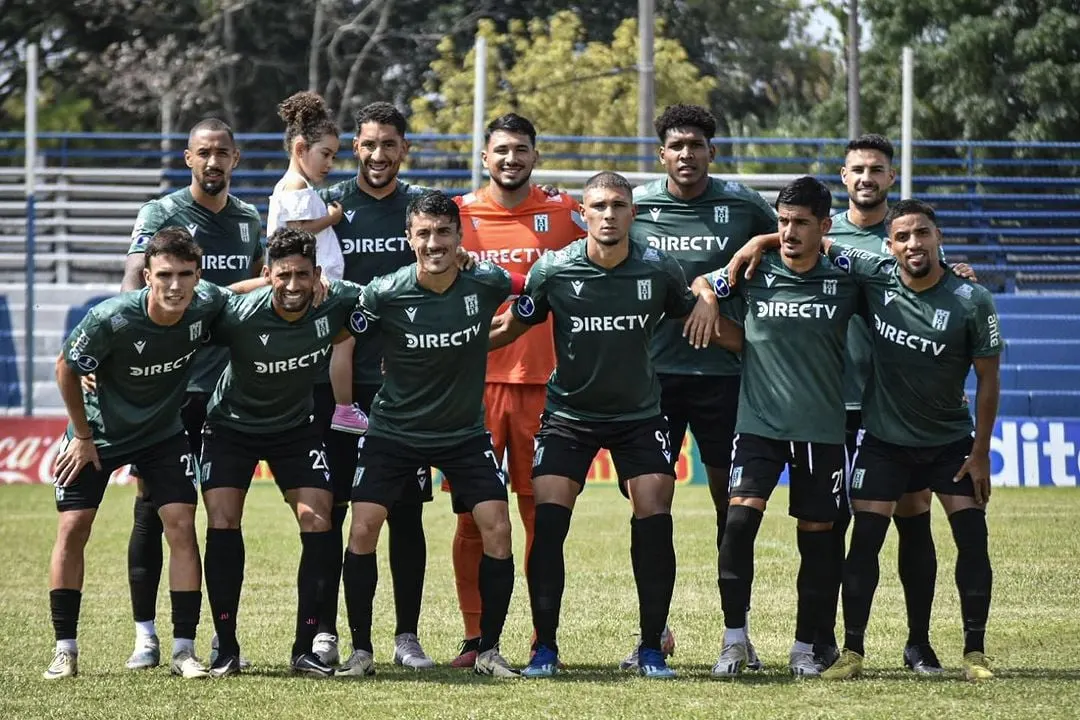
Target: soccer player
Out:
[510,222]
[140,344]
[229,232]
[607,294]
[433,320]
[930,327]
[262,408]
[791,412]
[700,222]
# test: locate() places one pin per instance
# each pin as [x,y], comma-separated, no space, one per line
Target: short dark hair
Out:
[286,242]
[382,113]
[608,179]
[305,114]
[871,141]
[211,124]
[434,203]
[176,241]
[511,123]
[685,116]
[808,192]
[911,206]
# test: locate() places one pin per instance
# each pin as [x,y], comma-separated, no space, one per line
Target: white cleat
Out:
[360,664]
[325,646]
[64,664]
[733,658]
[147,654]
[492,663]
[802,664]
[408,653]
[187,666]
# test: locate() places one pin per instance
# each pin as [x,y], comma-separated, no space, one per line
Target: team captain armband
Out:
[517,284]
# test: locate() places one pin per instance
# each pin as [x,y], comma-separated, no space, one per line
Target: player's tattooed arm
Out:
[80,450]
[505,329]
[134,264]
[988,377]
[749,255]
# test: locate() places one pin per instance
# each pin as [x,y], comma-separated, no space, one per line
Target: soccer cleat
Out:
[325,646]
[147,654]
[492,663]
[825,656]
[310,665]
[849,665]
[64,664]
[922,659]
[976,667]
[408,653]
[667,647]
[802,664]
[753,662]
[244,662]
[733,658]
[651,664]
[467,654]
[225,666]
[544,663]
[360,664]
[187,666]
[349,419]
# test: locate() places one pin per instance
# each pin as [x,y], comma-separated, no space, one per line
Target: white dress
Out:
[289,205]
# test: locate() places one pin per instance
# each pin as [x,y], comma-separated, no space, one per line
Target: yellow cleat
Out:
[847,666]
[977,667]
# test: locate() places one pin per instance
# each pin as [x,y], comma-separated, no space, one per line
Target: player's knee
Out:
[969,531]
[912,504]
[179,523]
[313,520]
[467,528]
[73,528]
[364,533]
[814,526]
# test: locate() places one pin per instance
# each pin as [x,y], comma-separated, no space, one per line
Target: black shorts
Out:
[884,471]
[815,474]
[567,447]
[342,448]
[387,470]
[192,416]
[296,458]
[709,405]
[170,475]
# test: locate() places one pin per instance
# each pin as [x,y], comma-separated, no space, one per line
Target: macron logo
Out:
[889,297]
[769,279]
[411,312]
[193,228]
[349,215]
[577,285]
[264,337]
[139,346]
[655,213]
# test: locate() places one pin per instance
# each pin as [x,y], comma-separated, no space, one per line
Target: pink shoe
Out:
[349,419]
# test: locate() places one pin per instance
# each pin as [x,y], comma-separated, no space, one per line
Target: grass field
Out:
[1032,637]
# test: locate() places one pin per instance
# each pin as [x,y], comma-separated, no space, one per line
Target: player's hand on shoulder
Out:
[965,271]
[334,211]
[321,291]
[465,261]
[69,463]
[748,257]
[701,322]
[551,190]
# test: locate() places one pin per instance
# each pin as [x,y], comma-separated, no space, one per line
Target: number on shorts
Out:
[494,461]
[191,468]
[665,443]
[838,481]
[318,460]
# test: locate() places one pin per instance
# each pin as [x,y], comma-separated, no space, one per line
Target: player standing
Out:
[930,327]
[510,222]
[700,222]
[607,294]
[229,232]
[434,322]
[791,412]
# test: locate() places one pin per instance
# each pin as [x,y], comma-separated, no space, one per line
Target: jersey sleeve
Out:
[764,221]
[732,303]
[679,298]
[497,279]
[368,307]
[221,327]
[984,331]
[859,264]
[151,218]
[532,306]
[89,343]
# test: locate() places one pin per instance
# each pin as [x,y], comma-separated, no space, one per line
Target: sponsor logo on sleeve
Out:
[118,322]
[358,322]
[525,306]
[721,287]
[87,363]
[844,263]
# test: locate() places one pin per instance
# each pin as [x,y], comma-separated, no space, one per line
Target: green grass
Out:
[1032,636]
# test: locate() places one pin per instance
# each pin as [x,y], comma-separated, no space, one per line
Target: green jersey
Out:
[232,247]
[141,368]
[700,234]
[373,243]
[435,353]
[923,346]
[273,363]
[604,323]
[795,327]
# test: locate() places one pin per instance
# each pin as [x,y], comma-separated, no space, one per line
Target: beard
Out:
[514,185]
[213,187]
[880,197]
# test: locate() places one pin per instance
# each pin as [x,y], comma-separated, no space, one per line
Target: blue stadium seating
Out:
[1020,351]
[10,386]
[1040,326]
[76,313]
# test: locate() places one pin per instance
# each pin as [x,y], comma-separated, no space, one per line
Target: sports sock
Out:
[815,574]
[468,549]
[361,576]
[496,587]
[974,577]
[527,511]
[64,605]
[334,547]
[144,560]
[145,629]
[311,581]
[408,561]
[224,567]
[861,573]
[826,634]
[917,566]
[737,563]
[547,571]
[182,644]
[719,493]
[186,605]
[652,541]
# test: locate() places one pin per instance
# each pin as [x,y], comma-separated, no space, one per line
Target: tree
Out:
[565,85]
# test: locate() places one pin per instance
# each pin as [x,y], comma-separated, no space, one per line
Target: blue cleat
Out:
[544,663]
[651,664]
